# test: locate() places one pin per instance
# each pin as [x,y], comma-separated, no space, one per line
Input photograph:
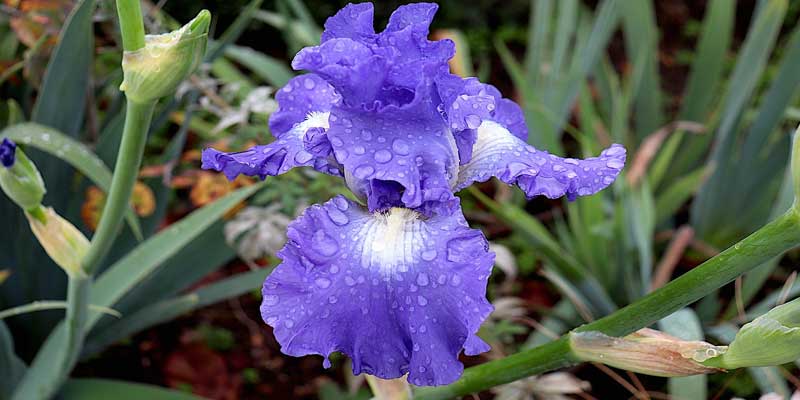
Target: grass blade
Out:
[168,309]
[104,389]
[268,69]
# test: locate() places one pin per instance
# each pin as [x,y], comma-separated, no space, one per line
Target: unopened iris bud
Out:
[771,339]
[646,351]
[155,70]
[64,243]
[19,178]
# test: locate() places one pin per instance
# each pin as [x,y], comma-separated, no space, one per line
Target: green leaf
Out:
[217,47]
[641,42]
[168,309]
[685,324]
[269,69]
[707,65]
[71,151]
[749,67]
[137,265]
[677,194]
[13,368]
[104,389]
[62,99]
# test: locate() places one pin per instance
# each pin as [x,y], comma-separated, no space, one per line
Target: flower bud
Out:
[155,70]
[771,339]
[64,243]
[646,351]
[19,178]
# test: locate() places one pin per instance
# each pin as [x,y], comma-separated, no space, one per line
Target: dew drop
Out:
[473,121]
[324,244]
[363,171]
[303,157]
[323,283]
[422,279]
[271,300]
[359,149]
[338,217]
[288,323]
[615,164]
[400,147]
[421,300]
[429,255]
[383,156]
[309,83]
[333,299]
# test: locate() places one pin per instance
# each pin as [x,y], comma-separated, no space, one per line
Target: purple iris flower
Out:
[7,152]
[399,285]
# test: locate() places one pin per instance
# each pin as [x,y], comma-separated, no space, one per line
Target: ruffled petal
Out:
[299,125]
[302,95]
[396,292]
[278,157]
[499,153]
[354,21]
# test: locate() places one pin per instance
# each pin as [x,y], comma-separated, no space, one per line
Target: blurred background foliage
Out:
[702,93]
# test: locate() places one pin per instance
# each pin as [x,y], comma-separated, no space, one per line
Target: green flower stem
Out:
[57,357]
[129,158]
[771,240]
[131,24]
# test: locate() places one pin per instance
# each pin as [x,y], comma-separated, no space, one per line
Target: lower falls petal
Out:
[395,291]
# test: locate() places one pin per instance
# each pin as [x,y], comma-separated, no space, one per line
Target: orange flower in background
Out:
[210,186]
[38,17]
[143,202]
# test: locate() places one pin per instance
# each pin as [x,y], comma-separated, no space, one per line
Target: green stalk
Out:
[771,240]
[58,355]
[129,158]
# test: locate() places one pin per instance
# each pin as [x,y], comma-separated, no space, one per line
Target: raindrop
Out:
[366,134]
[324,244]
[473,121]
[271,300]
[338,217]
[422,279]
[323,283]
[359,149]
[332,299]
[400,147]
[455,280]
[615,164]
[422,300]
[363,171]
[383,156]
[288,323]
[303,157]
[429,255]
[309,83]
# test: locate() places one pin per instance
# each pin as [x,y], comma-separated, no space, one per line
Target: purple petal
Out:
[396,292]
[277,157]
[499,153]
[302,95]
[354,21]
[406,150]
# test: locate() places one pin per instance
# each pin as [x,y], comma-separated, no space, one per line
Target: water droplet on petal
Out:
[271,300]
[359,149]
[303,157]
[400,147]
[422,279]
[288,323]
[473,121]
[324,244]
[615,164]
[366,134]
[429,255]
[338,217]
[455,280]
[383,156]
[363,171]
[323,283]
[422,300]
[309,83]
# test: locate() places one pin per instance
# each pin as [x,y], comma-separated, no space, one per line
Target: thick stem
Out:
[134,136]
[131,24]
[774,238]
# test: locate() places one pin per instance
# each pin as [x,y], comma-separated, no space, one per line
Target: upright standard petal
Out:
[304,105]
[500,153]
[397,292]
[388,132]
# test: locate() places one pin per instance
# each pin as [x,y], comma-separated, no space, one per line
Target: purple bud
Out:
[7,152]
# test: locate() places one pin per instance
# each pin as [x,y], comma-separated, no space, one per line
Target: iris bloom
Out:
[398,284]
